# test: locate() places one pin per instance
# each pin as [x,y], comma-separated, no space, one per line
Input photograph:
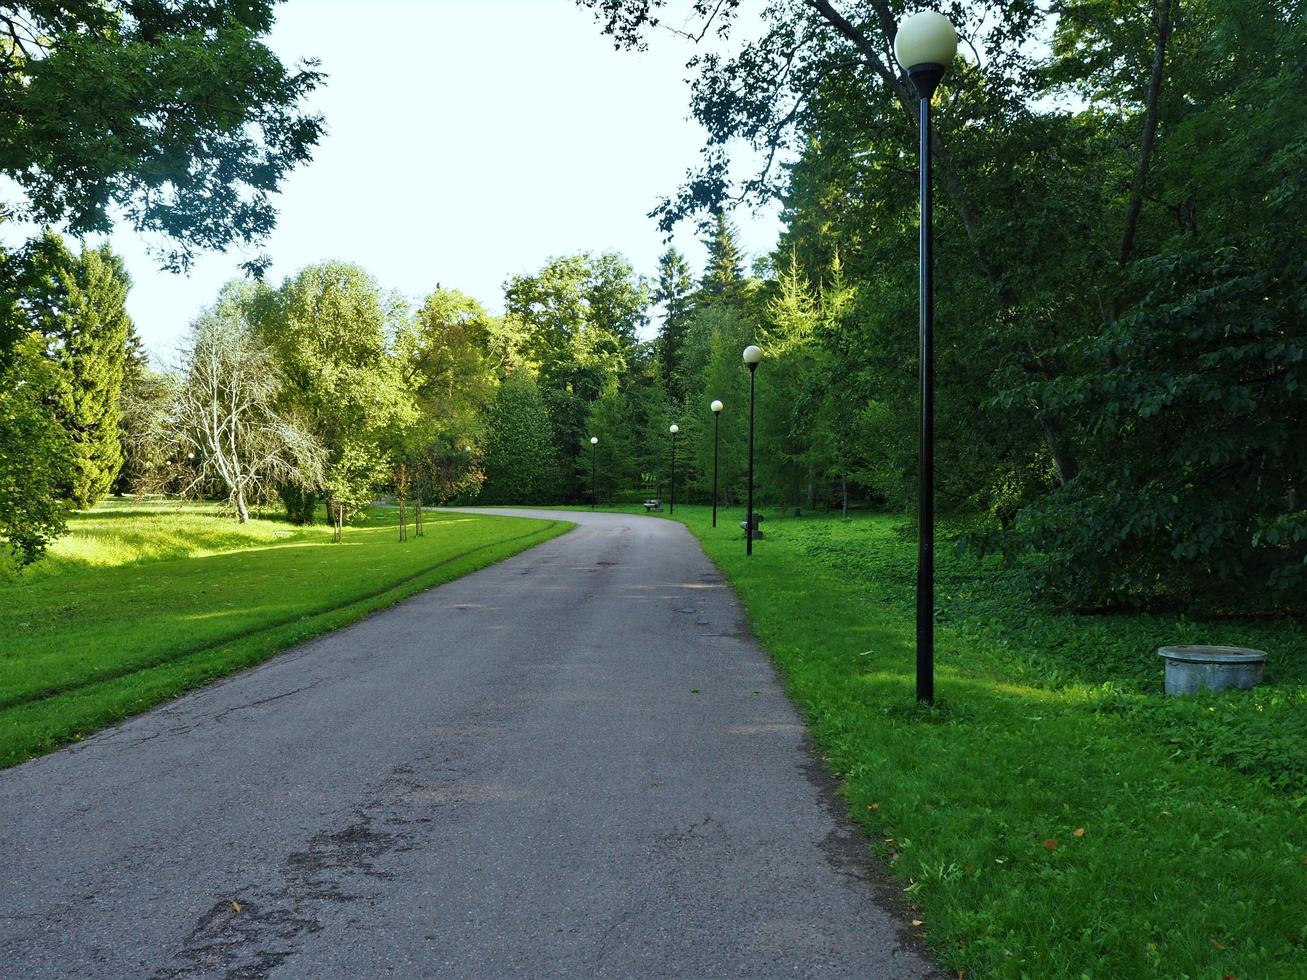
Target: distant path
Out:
[573,763]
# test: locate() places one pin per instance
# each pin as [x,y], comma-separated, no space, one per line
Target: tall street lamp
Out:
[716,407]
[594,452]
[673,429]
[752,355]
[926,45]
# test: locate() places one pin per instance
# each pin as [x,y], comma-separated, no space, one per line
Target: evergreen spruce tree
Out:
[79,305]
[94,354]
[723,275]
[674,294]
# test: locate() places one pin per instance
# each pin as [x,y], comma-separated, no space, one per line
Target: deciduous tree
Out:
[224,417]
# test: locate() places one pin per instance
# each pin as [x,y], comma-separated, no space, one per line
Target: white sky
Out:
[468,140]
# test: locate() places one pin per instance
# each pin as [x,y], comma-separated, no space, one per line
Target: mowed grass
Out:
[141,603]
[1054,815]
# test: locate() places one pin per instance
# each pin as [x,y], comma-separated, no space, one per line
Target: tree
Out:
[79,305]
[144,392]
[521,464]
[723,275]
[450,354]
[615,458]
[580,315]
[789,453]
[147,397]
[328,329]
[175,115]
[723,332]
[35,453]
[224,413]
[674,293]
[1191,401]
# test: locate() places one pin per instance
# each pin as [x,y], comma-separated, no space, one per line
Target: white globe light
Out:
[717,406]
[752,354]
[926,38]
[674,428]
[594,440]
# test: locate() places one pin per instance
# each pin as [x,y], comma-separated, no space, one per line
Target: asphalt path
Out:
[576,763]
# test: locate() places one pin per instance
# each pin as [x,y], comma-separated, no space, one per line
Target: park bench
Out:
[652,505]
[757,531]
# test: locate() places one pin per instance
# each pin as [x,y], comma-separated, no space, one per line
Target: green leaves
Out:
[175,113]
[36,454]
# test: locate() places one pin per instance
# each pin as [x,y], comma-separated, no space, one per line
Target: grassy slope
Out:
[1053,816]
[140,604]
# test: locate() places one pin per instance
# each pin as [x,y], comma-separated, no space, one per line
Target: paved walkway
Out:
[574,763]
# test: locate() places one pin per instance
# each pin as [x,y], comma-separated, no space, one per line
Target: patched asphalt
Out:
[576,763]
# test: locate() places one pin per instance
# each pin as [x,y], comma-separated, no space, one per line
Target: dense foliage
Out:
[175,116]
[1120,287]
[78,304]
[35,453]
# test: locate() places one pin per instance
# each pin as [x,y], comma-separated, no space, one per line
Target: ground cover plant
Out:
[140,603]
[1054,815]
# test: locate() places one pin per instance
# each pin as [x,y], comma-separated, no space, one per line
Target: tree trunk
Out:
[1067,466]
[238,502]
[1162,20]
[844,495]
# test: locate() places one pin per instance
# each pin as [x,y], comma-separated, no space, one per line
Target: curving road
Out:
[574,763]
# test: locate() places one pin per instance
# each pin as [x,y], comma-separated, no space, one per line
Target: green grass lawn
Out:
[142,602]
[1054,815]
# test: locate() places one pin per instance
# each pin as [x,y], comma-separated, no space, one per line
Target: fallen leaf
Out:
[1216,944]
[918,922]
[1050,844]
[999,860]
[876,806]
[235,906]
[1080,831]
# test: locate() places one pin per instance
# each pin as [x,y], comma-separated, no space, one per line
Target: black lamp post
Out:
[673,429]
[716,441]
[594,451]
[926,45]
[752,355]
